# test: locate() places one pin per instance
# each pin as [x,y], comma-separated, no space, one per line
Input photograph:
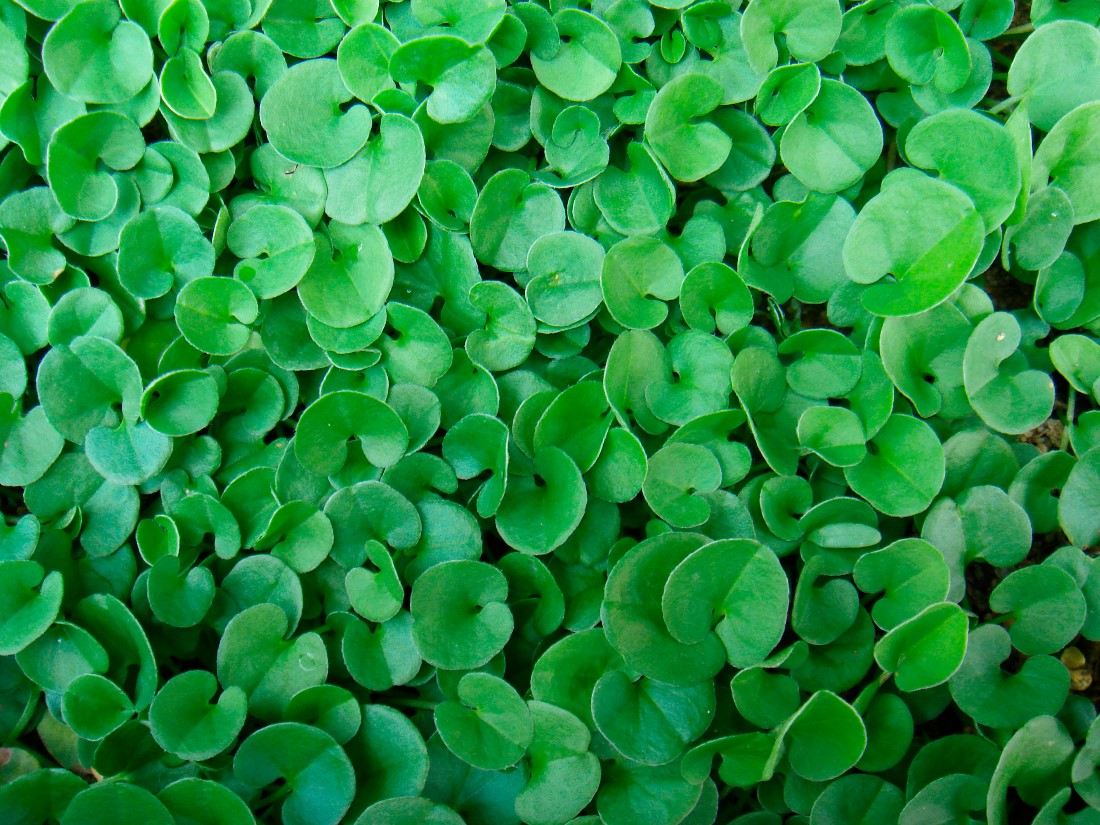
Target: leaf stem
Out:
[775,309]
[1016,31]
[1071,412]
[1004,104]
[281,792]
[1003,59]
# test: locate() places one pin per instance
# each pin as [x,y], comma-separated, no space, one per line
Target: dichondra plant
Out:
[558,412]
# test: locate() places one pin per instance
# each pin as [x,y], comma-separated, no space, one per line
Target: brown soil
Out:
[981,579]
[814,316]
[1006,292]
[1047,436]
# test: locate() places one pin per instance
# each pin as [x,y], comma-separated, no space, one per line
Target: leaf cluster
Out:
[620,412]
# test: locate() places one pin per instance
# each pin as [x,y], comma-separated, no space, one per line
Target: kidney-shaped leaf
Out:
[924,232]
[735,587]
[317,771]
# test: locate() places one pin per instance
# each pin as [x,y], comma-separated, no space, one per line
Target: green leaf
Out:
[926,650]
[638,200]
[647,721]
[408,810]
[1033,759]
[178,597]
[577,422]
[1046,604]
[904,468]
[489,726]
[85,311]
[983,690]
[181,402]
[40,794]
[1077,517]
[185,87]
[925,45]
[31,600]
[786,92]
[316,770]
[638,275]
[29,221]
[809,30]
[540,511]
[461,620]
[565,270]
[410,409]
[858,798]
[214,314]
[701,367]
[118,802]
[923,356]
[1056,70]
[584,62]
[910,573]
[254,656]
[564,774]
[335,418]
[1068,162]
[832,143]
[204,802]
[973,152]
[510,215]
[509,334]
[735,588]
[184,720]
[1007,395]
[462,75]
[391,752]
[275,246]
[713,296]
[94,56]
[677,475]
[640,793]
[94,707]
[687,144]
[306,101]
[824,738]
[390,167]
[127,454]
[929,258]
[834,433]
[84,153]
[634,621]
[350,278]
[30,444]
[363,59]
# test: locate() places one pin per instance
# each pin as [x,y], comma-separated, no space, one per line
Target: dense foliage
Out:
[634,412]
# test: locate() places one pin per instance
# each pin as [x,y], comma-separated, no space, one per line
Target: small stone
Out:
[1080,680]
[1073,658]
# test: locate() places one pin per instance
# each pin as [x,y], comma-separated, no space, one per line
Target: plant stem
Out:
[1071,411]
[1004,104]
[268,801]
